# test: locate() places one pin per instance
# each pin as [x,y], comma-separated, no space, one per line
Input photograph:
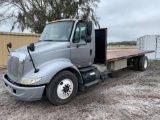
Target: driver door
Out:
[80,50]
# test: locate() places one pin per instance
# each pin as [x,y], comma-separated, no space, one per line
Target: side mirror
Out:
[31,47]
[89,28]
[88,39]
[9,45]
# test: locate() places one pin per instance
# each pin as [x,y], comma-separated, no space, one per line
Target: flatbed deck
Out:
[114,55]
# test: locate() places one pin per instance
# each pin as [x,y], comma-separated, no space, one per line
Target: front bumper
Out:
[23,93]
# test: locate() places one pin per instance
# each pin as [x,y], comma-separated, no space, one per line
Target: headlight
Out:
[29,81]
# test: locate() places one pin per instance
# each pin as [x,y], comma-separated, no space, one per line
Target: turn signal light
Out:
[78,66]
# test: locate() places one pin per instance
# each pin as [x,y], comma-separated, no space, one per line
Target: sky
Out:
[129,19]
[125,19]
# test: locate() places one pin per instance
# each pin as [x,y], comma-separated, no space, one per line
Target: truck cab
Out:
[60,63]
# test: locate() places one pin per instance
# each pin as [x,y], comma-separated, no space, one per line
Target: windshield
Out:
[57,31]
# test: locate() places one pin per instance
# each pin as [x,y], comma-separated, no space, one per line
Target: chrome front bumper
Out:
[23,93]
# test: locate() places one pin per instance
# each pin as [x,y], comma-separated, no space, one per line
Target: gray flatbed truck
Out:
[69,55]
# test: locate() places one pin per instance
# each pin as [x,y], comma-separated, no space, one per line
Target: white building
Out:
[150,42]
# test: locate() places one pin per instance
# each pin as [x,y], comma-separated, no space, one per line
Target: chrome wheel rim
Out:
[145,63]
[65,89]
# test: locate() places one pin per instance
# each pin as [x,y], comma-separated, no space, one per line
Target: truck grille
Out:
[13,65]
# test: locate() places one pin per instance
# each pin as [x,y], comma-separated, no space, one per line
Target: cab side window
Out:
[80,33]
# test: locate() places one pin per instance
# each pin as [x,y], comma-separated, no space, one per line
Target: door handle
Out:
[77,45]
[90,52]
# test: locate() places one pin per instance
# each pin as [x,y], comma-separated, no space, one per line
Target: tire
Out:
[143,63]
[136,63]
[62,88]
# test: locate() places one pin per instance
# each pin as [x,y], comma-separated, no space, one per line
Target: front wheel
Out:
[62,88]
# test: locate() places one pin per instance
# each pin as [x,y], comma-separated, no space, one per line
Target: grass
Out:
[120,47]
[151,61]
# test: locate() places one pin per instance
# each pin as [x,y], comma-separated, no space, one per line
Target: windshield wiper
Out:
[45,40]
[53,40]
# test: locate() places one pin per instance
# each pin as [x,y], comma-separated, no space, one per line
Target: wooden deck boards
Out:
[121,54]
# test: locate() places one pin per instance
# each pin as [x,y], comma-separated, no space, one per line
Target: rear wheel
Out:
[62,88]
[143,63]
[136,63]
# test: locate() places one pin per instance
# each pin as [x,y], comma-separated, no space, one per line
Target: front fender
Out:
[48,70]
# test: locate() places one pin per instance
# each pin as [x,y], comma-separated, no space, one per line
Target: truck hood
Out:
[44,52]
[43,47]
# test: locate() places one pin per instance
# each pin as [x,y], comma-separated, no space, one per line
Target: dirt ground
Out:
[129,95]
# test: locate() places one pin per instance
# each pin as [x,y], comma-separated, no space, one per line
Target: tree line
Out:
[33,14]
[127,43]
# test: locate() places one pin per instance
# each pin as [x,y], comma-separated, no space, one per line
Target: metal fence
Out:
[17,40]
